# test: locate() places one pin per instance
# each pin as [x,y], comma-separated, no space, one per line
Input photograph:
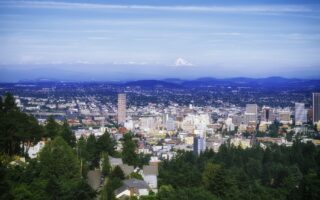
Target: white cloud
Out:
[226,9]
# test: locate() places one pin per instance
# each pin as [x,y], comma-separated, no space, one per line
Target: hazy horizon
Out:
[31,75]
[121,40]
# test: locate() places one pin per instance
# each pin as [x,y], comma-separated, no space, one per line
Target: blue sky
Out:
[159,39]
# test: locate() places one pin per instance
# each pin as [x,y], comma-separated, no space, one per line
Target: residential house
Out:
[132,187]
[150,174]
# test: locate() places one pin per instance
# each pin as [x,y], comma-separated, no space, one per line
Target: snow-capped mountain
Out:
[182,62]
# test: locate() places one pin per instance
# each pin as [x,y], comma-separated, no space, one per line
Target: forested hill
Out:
[277,172]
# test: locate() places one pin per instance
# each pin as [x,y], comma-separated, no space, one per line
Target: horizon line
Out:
[39,80]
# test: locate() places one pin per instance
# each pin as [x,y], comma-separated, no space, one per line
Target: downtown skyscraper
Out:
[251,113]
[316,107]
[300,113]
[122,108]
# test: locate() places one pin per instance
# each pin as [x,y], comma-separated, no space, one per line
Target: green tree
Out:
[143,159]
[4,181]
[166,192]
[105,143]
[112,184]
[82,155]
[1,106]
[309,187]
[9,104]
[59,160]
[52,128]
[29,131]
[59,165]
[117,173]
[253,168]
[67,134]
[274,130]
[82,148]
[180,171]
[106,167]
[22,192]
[136,175]
[17,130]
[215,180]
[129,155]
[93,154]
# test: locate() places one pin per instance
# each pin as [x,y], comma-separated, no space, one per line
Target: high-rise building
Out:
[122,110]
[198,145]
[252,108]
[284,117]
[316,107]
[268,114]
[310,115]
[300,113]
[251,114]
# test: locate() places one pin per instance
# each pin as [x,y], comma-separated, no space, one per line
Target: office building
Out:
[300,113]
[198,145]
[251,114]
[316,107]
[122,104]
[284,117]
[267,115]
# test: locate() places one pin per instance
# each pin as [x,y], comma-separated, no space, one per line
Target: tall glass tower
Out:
[316,107]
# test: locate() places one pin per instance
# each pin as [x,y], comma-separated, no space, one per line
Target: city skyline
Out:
[160,100]
[121,40]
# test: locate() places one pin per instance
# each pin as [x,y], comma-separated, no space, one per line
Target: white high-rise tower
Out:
[122,108]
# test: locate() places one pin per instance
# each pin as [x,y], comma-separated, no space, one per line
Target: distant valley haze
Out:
[88,72]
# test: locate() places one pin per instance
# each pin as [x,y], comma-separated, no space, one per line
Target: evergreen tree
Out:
[59,165]
[82,148]
[214,179]
[4,181]
[52,128]
[9,104]
[309,187]
[17,129]
[67,134]
[168,193]
[106,167]
[129,155]
[117,173]
[1,106]
[82,155]
[105,143]
[59,160]
[93,154]
[112,184]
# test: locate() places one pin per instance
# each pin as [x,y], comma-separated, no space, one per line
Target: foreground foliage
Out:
[55,175]
[275,173]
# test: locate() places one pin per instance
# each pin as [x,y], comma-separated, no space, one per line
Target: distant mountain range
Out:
[269,82]
[153,84]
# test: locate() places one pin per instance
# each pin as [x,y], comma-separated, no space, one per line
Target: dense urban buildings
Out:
[152,125]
